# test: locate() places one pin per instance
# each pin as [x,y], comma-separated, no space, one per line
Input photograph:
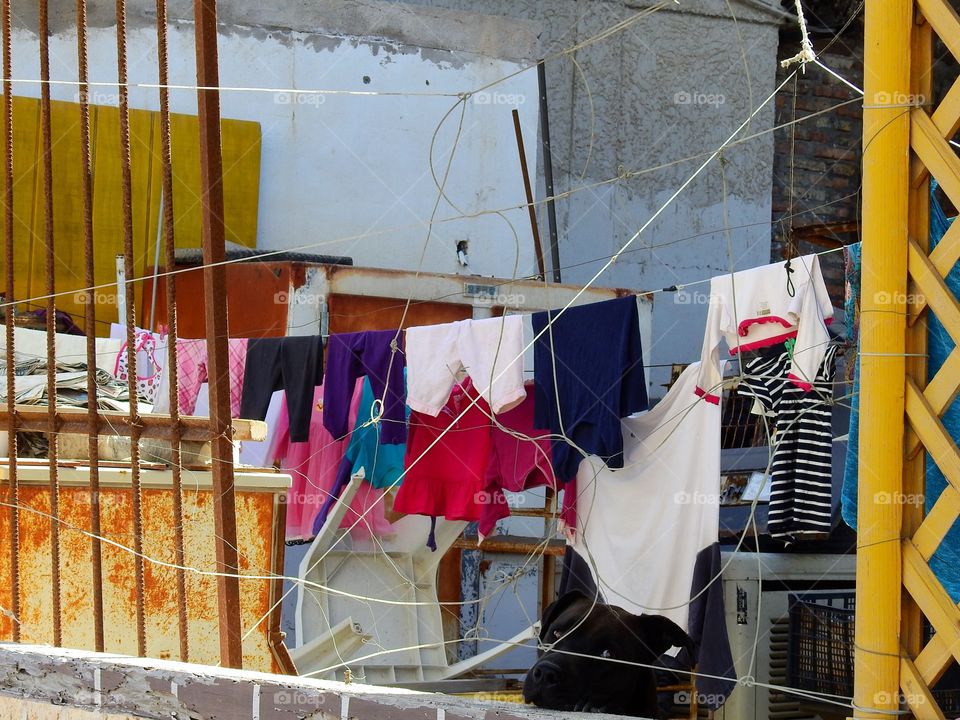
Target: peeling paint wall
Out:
[671,86]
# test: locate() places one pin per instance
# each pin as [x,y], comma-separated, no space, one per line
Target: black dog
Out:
[575,626]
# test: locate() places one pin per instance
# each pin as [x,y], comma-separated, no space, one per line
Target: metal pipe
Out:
[130,322]
[166,179]
[14,486]
[529,195]
[46,165]
[90,324]
[548,171]
[214,282]
[886,143]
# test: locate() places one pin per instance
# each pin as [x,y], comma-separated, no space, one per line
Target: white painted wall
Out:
[347,175]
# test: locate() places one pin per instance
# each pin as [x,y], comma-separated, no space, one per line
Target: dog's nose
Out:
[545,675]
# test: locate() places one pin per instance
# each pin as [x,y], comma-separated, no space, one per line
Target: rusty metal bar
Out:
[50,251]
[509,545]
[90,325]
[130,321]
[13,494]
[76,420]
[166,179]
[531,209]
[215,295]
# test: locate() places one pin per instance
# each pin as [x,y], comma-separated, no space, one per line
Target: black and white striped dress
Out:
[801,471]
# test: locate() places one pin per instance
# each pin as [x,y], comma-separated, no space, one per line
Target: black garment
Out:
[576,575]
[595,352]
[292,364]
[708,629]
[801,483]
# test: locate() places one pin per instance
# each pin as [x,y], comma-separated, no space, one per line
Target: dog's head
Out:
[584,640]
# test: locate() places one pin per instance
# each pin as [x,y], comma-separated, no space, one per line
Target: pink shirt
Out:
[519,460]
[313,466]
[448,481]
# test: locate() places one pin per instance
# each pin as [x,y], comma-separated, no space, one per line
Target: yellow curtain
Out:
[240,142]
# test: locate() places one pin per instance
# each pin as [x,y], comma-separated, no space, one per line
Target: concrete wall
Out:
[673,85]
[34,679]
[343,166]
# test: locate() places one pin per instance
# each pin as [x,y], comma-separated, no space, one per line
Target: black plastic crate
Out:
[820,657]
[821,643]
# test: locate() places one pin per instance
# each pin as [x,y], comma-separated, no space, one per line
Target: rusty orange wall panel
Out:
[353,313]
[257,511]
[256,305]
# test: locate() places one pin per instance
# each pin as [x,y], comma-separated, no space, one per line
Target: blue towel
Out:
[945,563]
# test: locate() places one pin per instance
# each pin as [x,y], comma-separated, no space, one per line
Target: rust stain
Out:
[255,518]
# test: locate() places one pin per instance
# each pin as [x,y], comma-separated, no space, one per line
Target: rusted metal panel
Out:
[258,508]
[256,299]
[352,313]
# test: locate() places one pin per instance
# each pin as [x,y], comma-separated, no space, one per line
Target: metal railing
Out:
[94,422]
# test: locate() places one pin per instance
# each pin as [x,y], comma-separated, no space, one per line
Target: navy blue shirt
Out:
[591,360]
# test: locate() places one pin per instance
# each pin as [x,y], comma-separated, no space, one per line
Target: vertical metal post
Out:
[13,496]
[130,322]
[167,220]
[86,185]
[46,165]
[886,152]
[531,210]
[548,171]
[215,295]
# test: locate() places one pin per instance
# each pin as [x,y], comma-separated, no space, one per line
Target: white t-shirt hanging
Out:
[754,308]
[642,528]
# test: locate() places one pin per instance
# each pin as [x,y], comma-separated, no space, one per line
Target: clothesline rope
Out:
[267,254]
[806,54]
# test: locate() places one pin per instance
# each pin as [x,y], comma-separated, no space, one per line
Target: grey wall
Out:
[673,85]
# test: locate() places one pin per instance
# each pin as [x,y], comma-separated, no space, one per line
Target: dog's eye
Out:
[606,654]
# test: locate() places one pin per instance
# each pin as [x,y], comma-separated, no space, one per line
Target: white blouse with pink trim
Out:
[755,308]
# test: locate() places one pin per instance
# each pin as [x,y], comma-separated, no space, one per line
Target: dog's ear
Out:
[557,608]
[658,634]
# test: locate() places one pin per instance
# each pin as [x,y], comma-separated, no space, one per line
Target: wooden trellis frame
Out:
[906,142]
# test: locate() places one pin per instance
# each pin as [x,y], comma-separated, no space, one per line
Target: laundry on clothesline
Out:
[588,370]
[763,306]
[378,356]
[649,531]
[490,351]
[291,364]
[801,482]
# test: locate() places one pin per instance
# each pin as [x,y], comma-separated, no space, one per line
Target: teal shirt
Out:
[382,464]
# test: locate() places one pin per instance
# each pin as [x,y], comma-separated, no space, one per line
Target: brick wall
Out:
[824,150]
